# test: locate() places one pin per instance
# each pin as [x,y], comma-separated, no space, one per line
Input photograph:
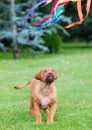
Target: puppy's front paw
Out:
[49,121]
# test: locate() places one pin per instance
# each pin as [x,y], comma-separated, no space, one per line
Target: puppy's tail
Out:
[23,85]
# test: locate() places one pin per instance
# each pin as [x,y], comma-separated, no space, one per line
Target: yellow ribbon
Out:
[49,1]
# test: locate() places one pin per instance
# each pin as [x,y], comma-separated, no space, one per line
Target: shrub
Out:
[53,42]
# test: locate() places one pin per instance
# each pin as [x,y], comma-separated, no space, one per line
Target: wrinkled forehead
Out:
[47,70]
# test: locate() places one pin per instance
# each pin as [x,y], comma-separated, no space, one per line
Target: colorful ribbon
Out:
[58,8]
[80,13]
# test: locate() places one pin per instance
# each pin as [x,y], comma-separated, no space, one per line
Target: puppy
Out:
[42,94]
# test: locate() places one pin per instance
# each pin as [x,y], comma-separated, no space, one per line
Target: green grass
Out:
[74,87]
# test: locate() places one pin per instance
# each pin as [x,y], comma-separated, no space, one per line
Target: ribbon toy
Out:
[58,8]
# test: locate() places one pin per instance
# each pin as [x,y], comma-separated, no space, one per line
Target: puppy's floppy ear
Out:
[38,75]
[55,77]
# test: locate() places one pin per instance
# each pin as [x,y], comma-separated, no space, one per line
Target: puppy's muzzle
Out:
[50,77]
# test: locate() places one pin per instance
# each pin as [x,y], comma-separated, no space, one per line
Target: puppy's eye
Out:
[52,70]
[45,71]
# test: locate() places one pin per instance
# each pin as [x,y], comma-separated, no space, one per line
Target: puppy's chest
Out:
[45,98]
[45,92]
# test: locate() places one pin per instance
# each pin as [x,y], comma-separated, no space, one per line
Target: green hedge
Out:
[53,42]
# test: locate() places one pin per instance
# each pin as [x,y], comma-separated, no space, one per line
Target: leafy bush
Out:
[53,42]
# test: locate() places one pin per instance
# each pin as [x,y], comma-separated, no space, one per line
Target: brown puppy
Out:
[43,94]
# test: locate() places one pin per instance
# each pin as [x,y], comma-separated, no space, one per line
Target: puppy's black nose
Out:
[50,77]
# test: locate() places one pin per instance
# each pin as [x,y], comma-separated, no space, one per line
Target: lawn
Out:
[74,88]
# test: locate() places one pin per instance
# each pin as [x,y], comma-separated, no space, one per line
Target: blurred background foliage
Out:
[50,40]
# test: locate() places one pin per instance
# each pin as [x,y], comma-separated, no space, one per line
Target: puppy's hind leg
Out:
[46,111]
[31,111]
[31,108]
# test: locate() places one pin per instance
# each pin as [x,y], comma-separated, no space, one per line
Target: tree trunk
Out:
[13,25]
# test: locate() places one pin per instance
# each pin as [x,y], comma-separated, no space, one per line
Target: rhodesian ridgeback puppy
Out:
[43,94]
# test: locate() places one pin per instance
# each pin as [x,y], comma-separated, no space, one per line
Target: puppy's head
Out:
[47,75]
